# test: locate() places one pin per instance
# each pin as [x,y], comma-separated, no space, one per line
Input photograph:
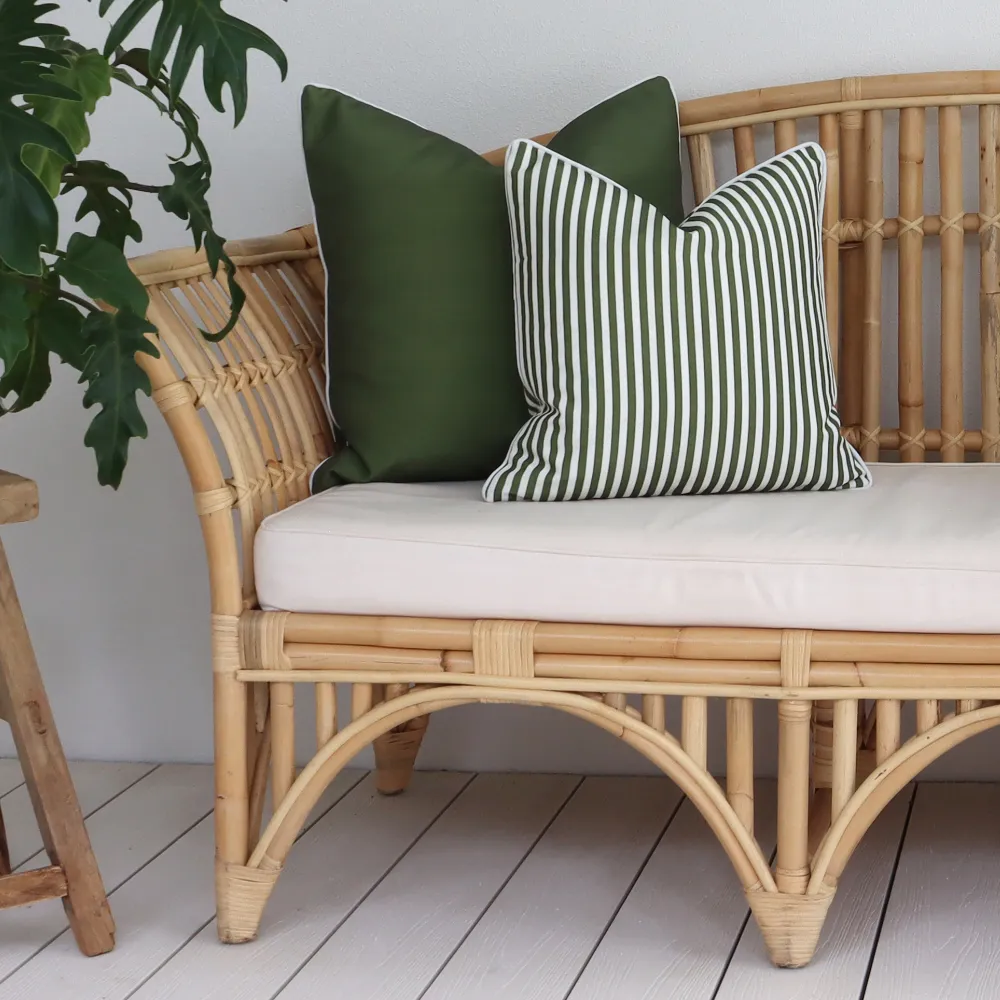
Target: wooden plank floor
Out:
[475,887]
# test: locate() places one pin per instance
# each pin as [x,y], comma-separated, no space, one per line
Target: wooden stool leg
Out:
[23,703]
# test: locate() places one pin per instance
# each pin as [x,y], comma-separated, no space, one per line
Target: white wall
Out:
[113,584]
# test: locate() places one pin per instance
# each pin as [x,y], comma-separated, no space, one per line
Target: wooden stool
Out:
[73,874]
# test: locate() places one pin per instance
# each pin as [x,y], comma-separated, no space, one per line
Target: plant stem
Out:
[69,173]
[61,293]
[77,300]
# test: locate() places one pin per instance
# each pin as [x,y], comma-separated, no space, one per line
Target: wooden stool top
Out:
[18,498]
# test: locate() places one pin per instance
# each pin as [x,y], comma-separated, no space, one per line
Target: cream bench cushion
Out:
[918,552]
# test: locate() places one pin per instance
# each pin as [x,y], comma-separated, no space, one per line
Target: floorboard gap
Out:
[347,916]
[305,829]
[737,939]
[475,923]
[888,893]
[622,901]
[110,892]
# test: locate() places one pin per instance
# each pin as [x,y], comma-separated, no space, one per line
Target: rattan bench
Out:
[249,419]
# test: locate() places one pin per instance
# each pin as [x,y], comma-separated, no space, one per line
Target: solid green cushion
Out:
[413,229]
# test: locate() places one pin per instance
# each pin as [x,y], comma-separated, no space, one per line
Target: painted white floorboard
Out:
[941,937]
[156,911]
[125,834]
[96,783]
[838,970]
[392,946]
[537,935]
[675,931]
[332,868]
[518,887]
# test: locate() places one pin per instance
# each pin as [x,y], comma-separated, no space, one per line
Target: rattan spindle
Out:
[694,728]
[887,729]
[743,144]
[794,720]
[965,705]
[911,241]
[619,702]
[282,740]
[845,753]
[989,278]
[852,270]
[702,166]
[395,691]
[821,809]
[258,784]
[739,759]
[785,134]
[654,711]
[829,137]
[326,712]
[362,700]
[872,239]
[928,714]
[952,283]
[822,743]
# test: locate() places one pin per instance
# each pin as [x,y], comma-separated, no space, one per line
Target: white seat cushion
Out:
[918,552]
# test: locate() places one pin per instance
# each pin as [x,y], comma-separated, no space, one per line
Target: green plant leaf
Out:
[113,378]
[28,217]
[27,69]
[108,198]
[99,269]
[185,198]
[88,74]
[14,312]
[196,25]
[60,326]
[29,376]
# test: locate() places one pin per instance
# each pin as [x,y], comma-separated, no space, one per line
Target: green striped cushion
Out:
[660,359]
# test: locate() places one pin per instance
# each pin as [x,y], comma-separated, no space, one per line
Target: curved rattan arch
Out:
[250,419]
[704,793]
[884,783]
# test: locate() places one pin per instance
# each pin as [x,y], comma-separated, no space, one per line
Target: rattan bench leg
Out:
[241,894]
[395,754]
